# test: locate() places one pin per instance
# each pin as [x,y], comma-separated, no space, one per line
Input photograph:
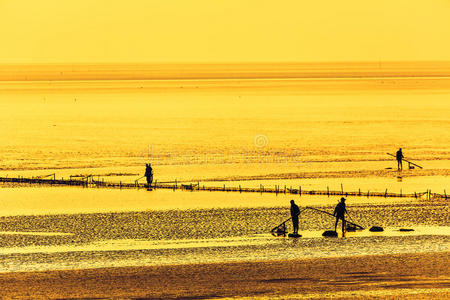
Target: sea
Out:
[314,134]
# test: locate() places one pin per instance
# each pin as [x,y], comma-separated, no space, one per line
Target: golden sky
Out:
[223,30]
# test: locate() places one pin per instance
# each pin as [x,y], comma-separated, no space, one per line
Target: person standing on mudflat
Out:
[399,156]
[339,213]
[149,174]
[295,212]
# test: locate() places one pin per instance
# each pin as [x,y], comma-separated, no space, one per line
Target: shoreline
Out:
[419,275]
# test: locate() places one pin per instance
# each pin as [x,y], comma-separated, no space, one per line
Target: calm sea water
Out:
[308,133]
[115,125]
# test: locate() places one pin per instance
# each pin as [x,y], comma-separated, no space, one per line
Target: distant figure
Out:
[339,213]
[149,174]
[295,212]
[399,156]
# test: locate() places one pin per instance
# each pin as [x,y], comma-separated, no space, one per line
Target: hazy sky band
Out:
[154,31]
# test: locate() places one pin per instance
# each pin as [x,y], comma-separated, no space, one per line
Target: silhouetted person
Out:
[295,212]
[149,174]
[399,156]
[339,213]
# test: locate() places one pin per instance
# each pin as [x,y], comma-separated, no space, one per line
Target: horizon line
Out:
[204,71]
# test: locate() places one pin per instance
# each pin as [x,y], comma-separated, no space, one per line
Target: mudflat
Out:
[410,276]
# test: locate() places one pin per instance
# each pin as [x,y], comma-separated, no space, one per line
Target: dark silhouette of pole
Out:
[325,212]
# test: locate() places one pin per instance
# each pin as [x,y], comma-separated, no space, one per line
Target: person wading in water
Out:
[295,212]
[339,213]
[399,156]
[149,174]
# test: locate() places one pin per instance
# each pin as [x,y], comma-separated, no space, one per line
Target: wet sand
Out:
[406,276]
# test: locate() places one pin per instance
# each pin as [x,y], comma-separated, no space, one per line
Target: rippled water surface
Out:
[172,236]
[309,134]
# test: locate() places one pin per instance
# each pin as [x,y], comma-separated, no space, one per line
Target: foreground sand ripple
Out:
[423,275]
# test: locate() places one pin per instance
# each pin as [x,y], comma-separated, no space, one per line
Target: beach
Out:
[405,276]
[224,149]
[286,134]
